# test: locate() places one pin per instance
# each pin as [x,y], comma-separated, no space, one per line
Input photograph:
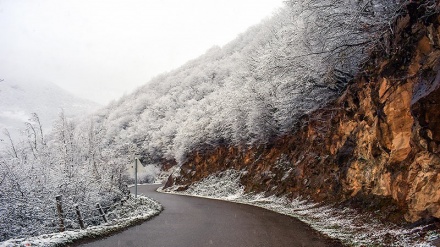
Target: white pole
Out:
[135,177]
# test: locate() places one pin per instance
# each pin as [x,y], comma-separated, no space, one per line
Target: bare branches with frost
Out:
[72,161]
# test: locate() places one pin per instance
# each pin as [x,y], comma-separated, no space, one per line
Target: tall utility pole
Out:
[135,177]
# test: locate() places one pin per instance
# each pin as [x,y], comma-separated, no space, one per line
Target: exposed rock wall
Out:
[377,146]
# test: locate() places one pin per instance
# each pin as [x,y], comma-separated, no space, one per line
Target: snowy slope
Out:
[18,99]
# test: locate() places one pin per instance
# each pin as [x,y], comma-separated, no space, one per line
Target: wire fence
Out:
[46,215]
[81,215]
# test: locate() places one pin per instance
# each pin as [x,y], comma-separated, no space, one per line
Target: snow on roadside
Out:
[134,210]
[350,227]
[163,175]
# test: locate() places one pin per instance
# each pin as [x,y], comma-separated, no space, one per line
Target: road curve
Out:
[197,222]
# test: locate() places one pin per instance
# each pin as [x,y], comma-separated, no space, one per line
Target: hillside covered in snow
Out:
[19,99]
[253,89]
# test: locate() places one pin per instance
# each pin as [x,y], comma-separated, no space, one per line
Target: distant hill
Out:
[18,99]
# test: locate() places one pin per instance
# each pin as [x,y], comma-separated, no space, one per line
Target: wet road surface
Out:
[197,222]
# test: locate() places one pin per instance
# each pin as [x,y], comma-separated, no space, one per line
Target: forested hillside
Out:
[253,89]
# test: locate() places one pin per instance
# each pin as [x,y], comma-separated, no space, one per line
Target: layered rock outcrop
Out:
[377,146]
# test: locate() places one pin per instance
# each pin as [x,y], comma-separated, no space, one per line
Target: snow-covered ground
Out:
[350,227]
[133,211]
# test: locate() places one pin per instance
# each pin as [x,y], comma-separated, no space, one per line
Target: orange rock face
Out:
[376,147]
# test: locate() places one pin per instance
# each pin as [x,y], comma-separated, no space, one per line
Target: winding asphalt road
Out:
[197,222]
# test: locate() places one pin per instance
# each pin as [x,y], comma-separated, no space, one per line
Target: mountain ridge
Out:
[19,99]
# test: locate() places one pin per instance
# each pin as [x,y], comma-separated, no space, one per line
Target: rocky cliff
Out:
[376,147]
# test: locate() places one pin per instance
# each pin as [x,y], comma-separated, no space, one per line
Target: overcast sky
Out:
[102,49]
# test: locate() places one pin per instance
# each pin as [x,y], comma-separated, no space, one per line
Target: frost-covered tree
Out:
[332,35]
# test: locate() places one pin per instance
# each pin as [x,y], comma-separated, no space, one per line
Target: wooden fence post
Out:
[80,220]
[60,212]
[101,212]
